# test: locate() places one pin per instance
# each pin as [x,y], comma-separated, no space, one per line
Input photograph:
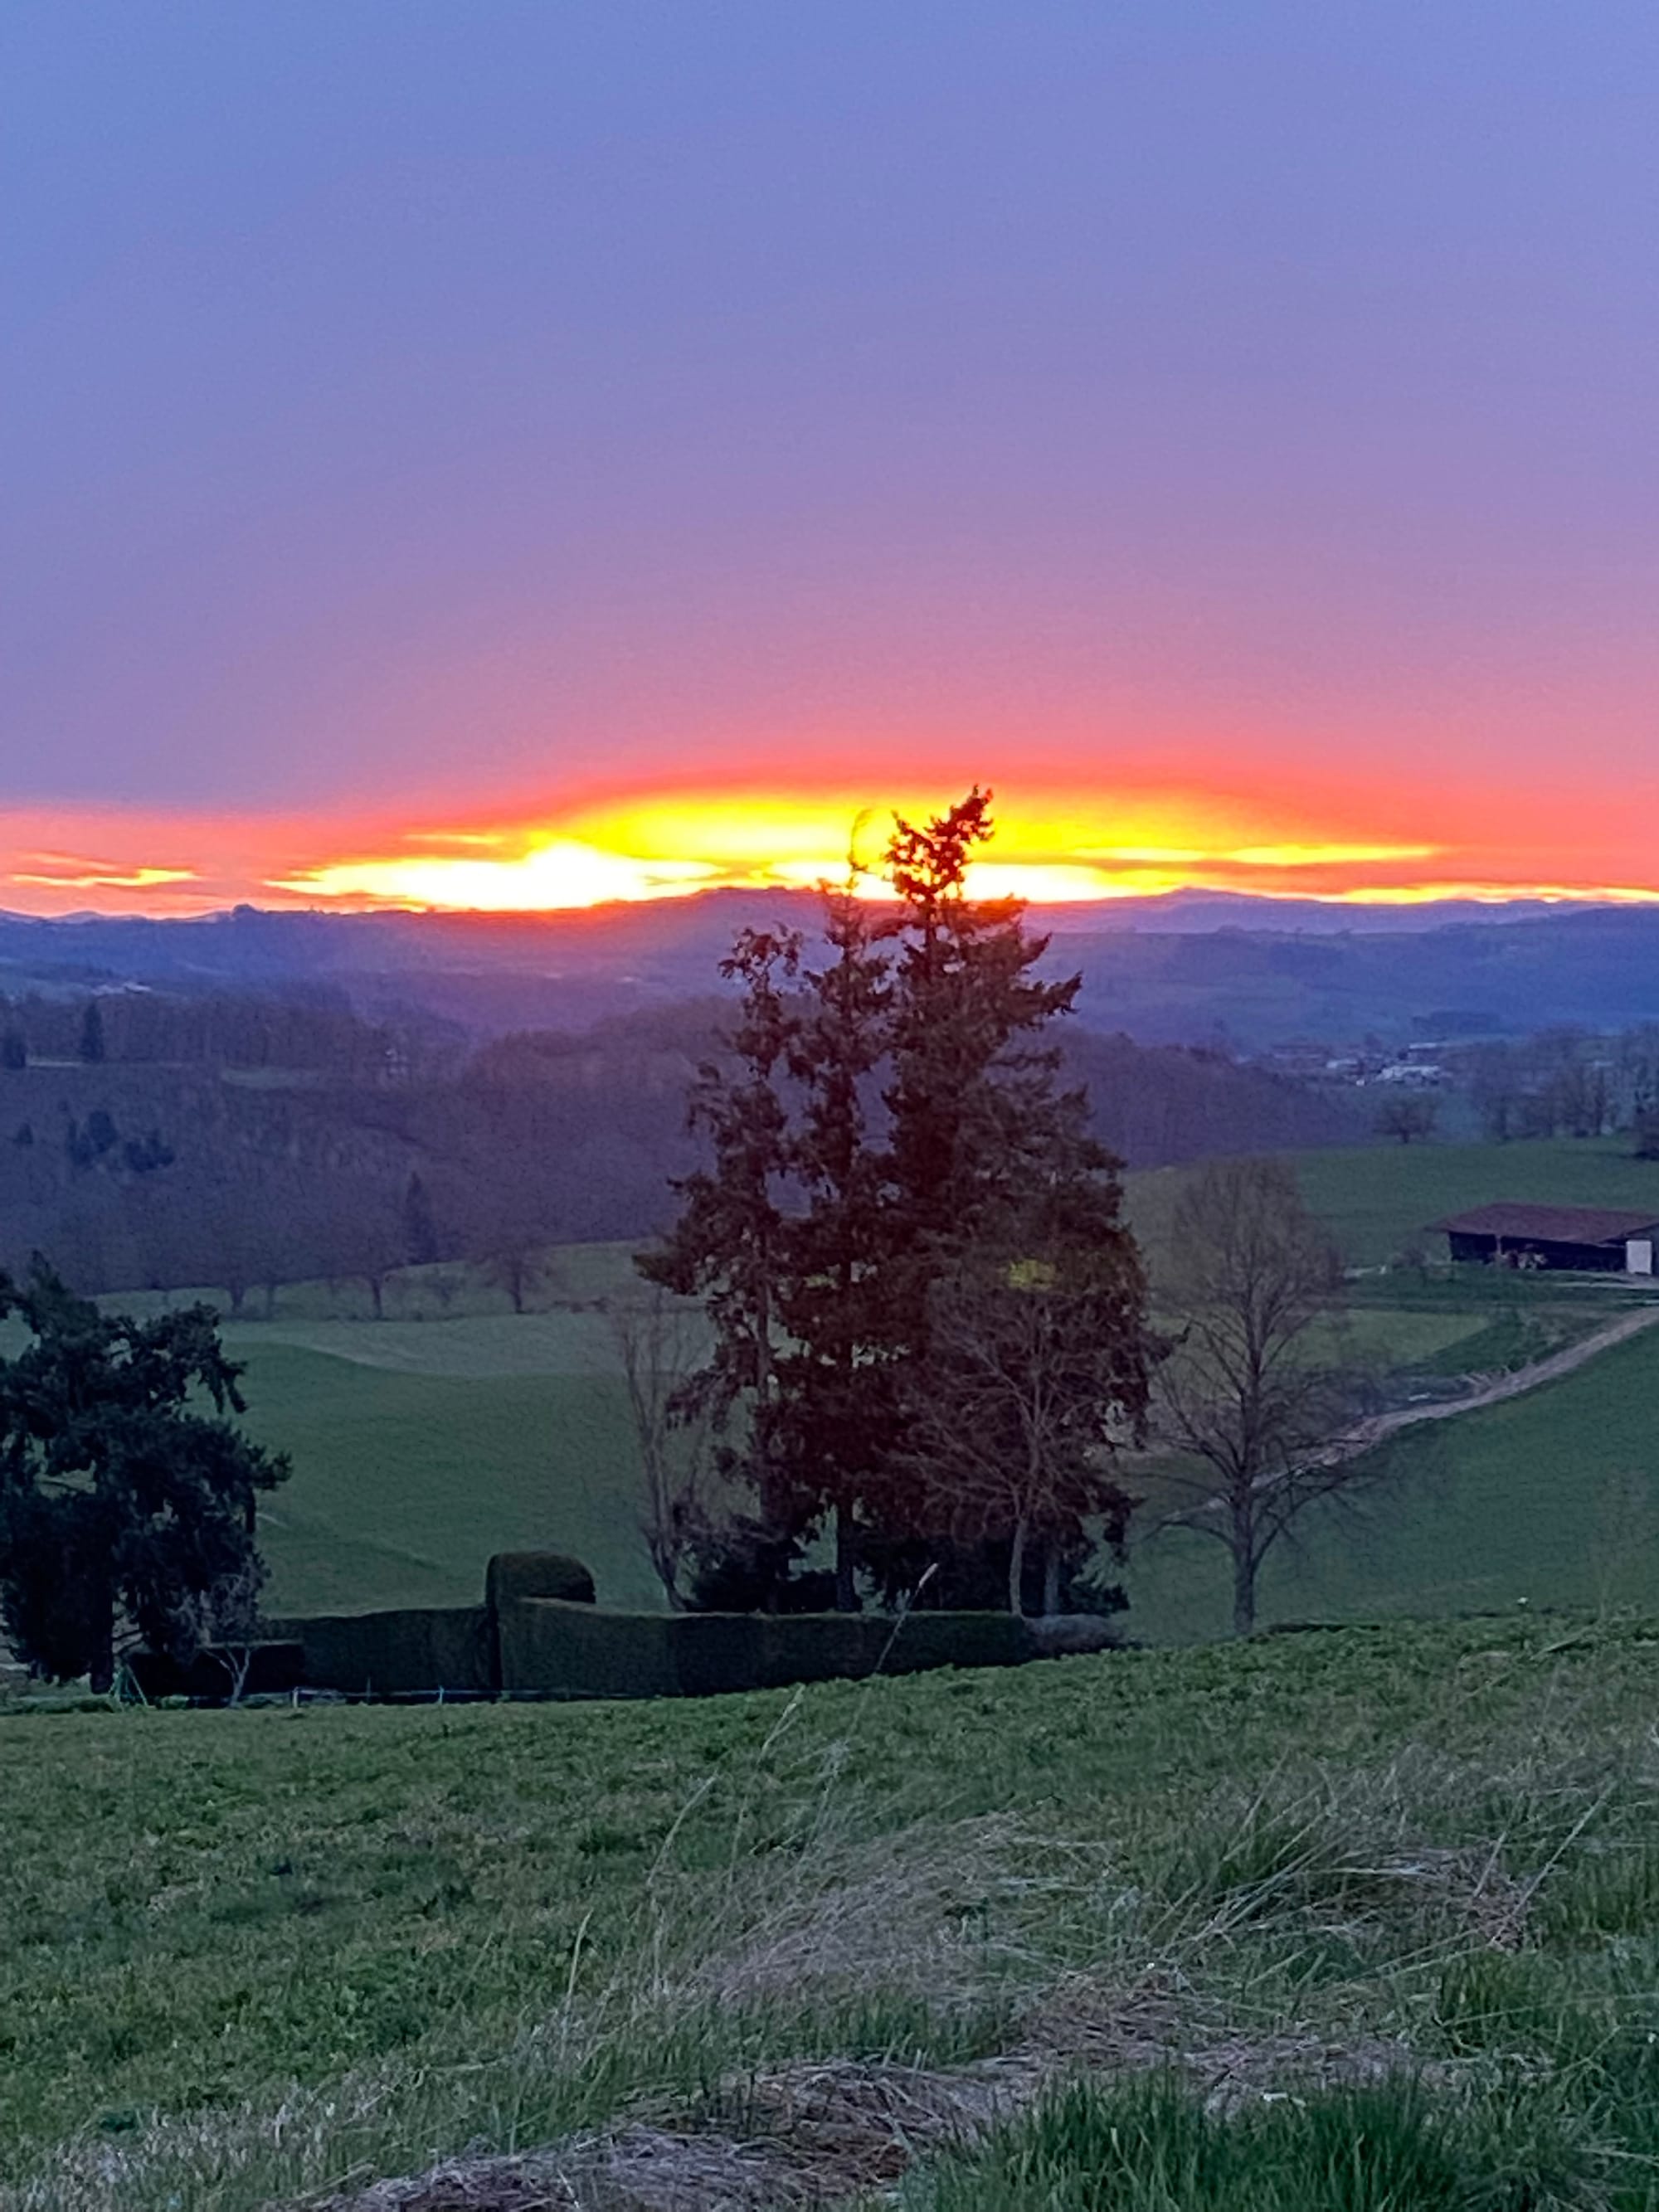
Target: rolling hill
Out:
[1193,968]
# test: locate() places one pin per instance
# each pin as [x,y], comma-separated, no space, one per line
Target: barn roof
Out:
[1551,1225]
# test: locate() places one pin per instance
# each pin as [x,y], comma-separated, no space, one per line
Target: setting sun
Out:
[561,874]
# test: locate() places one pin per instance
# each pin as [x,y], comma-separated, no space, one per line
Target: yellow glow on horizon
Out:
[1077,845]
[768,834]
[1490,894]
[1052,882]
[1325,856]
[564,872]
[1059,850]
[96,876]
[1039,883]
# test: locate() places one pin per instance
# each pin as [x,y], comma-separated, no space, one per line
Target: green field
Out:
[455,1428]
[419,1449]
[1394,1886]
[405,1483]
[421,1446]
[1552,1499]
[1397,1888]
[1380,1199]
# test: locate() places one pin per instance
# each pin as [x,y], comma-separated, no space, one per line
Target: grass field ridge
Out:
[245,1956]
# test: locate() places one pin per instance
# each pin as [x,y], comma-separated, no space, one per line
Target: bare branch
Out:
[657,1342]
[1263,1426]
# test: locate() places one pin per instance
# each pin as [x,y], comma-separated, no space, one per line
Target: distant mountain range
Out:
[1190,968]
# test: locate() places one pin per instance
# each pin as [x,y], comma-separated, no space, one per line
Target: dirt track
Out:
[1501,1387]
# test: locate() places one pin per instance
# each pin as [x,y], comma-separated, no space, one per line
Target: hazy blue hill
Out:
[1189,968]
[244,1138]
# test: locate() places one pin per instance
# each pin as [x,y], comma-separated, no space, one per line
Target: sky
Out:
[538,451]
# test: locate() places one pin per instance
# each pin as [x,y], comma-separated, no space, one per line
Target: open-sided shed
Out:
[1600,1239]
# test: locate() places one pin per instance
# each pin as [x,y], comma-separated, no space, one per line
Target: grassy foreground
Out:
[1411,1873]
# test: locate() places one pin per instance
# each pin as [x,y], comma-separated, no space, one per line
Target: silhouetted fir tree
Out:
[819,1232]
[1013,1287]
[835,1410]
[730,1245]
[973,1110]
[14,1051]
[90,1047]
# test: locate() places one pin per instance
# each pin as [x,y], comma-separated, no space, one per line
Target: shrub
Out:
[273,1669]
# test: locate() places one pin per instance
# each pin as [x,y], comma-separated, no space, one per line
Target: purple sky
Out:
[428,411]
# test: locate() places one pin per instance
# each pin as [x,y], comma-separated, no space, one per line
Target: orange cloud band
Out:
[1051,846]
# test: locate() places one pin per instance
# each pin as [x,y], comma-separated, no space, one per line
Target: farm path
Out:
[1551,1369]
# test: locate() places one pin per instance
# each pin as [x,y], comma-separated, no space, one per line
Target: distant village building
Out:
[1413,1074]
[1590,1238]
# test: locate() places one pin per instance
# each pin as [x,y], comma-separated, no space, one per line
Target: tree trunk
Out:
[1017,1569]
[846,1595]
[1051,1577]
[100,1673]
[1243,1590]
[376,1291]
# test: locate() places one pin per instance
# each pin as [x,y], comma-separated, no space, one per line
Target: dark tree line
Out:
[368,1150]
[1569,1083]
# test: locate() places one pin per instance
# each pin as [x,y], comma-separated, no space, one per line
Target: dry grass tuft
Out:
[802,2135]
[638,2169]
[815,2135]
[927,1911]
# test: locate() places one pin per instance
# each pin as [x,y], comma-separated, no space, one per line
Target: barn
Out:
[1586,1237]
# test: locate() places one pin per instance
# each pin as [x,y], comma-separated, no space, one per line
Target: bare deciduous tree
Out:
[228,1625]
[1261,1421]
[1038,1378]
[660,1344]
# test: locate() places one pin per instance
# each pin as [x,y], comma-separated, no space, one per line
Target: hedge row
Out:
[554,1649]
[538,1633]
[440,1648]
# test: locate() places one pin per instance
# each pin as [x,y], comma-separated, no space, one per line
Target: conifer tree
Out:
[976,1123]
[730,1245]
[1012,1284]
[837,1395]
[889,1121]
